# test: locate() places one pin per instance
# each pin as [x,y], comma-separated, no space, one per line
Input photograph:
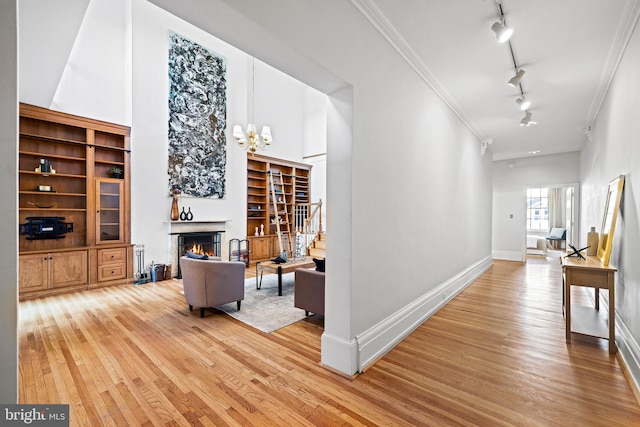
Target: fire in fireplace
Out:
[201,243]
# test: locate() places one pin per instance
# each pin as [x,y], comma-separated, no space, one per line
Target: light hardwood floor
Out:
[494,356]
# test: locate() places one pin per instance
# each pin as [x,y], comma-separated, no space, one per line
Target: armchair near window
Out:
[557,235]
[210,283]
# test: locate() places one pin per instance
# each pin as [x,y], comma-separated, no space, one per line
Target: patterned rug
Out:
[264,309]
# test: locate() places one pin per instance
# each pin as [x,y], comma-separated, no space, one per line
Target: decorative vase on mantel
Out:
[175,213]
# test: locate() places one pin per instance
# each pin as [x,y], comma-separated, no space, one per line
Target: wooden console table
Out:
[586,320]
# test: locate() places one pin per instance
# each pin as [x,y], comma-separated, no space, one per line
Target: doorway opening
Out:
[551,220]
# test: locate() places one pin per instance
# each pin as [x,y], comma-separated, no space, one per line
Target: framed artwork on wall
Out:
[197,153]
[611,209]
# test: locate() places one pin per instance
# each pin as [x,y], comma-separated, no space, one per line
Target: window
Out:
[538,209]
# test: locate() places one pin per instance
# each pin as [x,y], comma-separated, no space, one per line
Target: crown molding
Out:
[373,14]
[626,27]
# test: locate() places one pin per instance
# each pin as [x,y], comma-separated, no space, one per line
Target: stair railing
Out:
[308,222]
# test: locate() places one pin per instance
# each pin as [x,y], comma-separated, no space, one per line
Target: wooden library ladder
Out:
[277,211]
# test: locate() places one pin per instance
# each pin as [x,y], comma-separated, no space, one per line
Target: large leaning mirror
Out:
[611,208]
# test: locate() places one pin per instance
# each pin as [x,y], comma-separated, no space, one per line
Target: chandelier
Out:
[252,141]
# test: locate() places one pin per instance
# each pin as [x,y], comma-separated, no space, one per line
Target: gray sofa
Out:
[212,282]
[308,291]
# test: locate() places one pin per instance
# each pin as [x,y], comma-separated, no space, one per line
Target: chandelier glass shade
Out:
[252,141]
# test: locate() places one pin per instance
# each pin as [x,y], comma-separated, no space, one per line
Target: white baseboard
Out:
[628,348]
[339,354]
[509,256]
[382,337]
[629,351]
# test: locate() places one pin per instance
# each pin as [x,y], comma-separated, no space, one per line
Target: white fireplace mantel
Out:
[179,227]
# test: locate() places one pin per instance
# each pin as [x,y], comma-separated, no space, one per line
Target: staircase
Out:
[317,248]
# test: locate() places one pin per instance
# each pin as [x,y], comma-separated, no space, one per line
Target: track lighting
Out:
[484,144]
[523,103]
[515,80]
[503,33]
[526,120]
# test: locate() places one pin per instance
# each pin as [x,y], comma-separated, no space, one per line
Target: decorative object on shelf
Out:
[183,215]
[262,229]
[197,119]
[175,213]
[251,140]
[40,206]
[592,241]
[116,173]
[46,188]
[576,252]
[189,214]
[45,167]
[257,232]
[175,210]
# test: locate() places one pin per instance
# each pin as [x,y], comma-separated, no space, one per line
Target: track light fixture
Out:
[515,80]
[523,103]
[503,32]
[484,144]
[526,120]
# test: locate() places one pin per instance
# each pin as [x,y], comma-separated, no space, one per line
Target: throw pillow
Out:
[320,264]
[196,256]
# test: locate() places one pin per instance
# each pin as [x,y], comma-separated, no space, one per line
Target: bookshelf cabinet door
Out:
[109,213]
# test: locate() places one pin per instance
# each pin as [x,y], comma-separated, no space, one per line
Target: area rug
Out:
[263,309]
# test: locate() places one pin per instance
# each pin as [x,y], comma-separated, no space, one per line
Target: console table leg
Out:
[279,281]
[567,306]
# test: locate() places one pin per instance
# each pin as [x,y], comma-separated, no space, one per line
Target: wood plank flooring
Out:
[494,356]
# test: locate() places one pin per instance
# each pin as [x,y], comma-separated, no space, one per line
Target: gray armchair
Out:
[308,291]
[210,283]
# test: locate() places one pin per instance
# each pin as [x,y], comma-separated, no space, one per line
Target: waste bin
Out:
[157,272]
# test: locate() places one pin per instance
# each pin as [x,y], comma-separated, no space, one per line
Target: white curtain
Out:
[555,208]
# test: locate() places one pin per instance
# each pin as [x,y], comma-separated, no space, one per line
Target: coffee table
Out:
[281,269]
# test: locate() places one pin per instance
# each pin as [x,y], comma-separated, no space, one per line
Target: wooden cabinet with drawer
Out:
[112,264]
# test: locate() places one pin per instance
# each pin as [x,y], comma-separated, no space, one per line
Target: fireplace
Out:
[200,243]
[195,236]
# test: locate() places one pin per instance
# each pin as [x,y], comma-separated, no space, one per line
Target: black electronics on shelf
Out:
[45,227]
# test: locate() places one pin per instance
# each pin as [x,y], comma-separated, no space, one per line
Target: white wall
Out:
[615,151]
[511,178]
[9,207]
[392,201]
[315,145]
[52,25]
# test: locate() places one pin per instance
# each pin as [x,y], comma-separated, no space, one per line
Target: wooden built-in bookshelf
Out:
[260,210]
[80,188]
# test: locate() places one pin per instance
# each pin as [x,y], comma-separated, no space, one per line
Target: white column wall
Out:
[9,207]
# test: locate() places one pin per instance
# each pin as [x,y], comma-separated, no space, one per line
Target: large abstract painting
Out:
[197,120]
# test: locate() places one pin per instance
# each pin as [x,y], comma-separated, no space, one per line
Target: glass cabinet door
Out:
[109,219]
